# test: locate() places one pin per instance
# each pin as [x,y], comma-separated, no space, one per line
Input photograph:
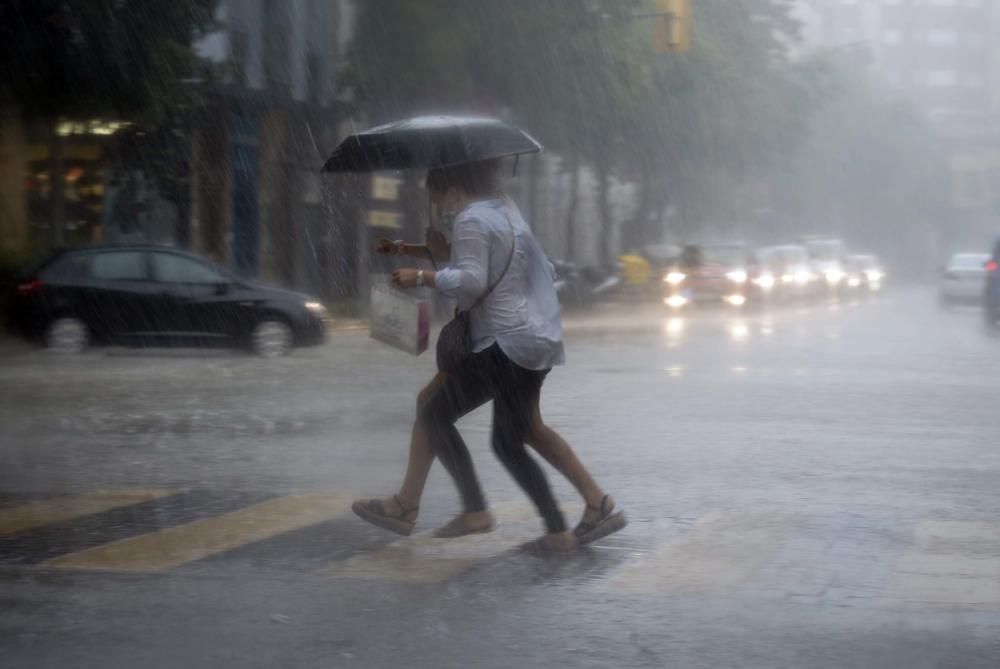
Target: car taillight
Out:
[29,287]
[992,266]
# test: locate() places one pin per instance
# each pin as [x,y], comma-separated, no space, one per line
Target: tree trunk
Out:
[57,181]
[571,210]
[637,233]
[604,209]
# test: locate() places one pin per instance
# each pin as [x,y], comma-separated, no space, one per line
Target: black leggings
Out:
[485,376]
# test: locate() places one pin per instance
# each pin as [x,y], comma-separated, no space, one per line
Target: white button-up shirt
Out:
[521,315]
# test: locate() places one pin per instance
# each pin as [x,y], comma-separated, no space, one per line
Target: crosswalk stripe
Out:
[177,545]
[950,564]
[424,559]
[60,509]
[720,552]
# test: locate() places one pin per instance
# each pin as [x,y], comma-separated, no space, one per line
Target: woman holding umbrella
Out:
[399,512]
[507,334]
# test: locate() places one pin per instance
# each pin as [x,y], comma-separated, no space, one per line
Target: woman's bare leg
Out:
[557,452]
[544,440]
[418,467]
[406,503]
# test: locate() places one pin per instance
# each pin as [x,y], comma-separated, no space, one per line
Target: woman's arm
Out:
[436,249]
[468,274]
[467,277]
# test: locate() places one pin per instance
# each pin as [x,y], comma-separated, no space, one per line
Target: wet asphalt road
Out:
[811,487]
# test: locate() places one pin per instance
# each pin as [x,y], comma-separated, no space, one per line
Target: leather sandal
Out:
[373,511]
[587,532]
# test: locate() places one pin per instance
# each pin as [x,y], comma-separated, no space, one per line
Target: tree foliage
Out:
[92,57]
[734,126]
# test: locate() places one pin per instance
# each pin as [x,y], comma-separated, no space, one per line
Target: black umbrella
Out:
[429,141]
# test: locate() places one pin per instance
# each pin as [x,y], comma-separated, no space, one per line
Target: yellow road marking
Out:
[424,559]
[721,551]
[193,541]
[951,564]
[60,509]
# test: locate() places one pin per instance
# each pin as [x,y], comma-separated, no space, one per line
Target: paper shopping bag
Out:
[399,320]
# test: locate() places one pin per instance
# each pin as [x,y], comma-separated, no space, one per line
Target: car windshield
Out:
[825,250]
[731,256]
[794,255]
[969,260]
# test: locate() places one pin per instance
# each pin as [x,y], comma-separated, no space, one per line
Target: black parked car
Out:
[148,295]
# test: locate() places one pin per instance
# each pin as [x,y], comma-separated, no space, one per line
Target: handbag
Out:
[454,344]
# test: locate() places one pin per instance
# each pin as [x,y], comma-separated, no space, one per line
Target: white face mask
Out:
[446,215]
[446,219]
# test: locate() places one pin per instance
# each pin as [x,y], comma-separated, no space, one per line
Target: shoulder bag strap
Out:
[510,259]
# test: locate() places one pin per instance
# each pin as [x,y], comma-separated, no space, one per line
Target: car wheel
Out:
[67,334]
[271,338]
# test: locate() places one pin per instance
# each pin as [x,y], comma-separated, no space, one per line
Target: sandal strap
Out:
[403,510]
[600,509]
[376,507]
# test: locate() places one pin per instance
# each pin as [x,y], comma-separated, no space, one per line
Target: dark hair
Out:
[477,179]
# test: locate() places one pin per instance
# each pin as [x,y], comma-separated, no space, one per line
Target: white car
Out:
[790,269]
[864,271]
[964,278]
[829,260]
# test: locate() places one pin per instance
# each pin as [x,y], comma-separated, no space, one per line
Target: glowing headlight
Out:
[834,276]
[765,281]
[787,278]
[803,278]
[854,282]
[674,278]
[737,276]
[736,300]
[316,307]
[675,301]
[874,275]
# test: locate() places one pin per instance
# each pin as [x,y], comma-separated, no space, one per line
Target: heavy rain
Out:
[495,333]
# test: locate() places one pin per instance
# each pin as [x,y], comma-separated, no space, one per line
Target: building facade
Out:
[259,137]
[943,56]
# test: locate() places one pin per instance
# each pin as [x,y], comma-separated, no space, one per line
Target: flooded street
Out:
[809,486]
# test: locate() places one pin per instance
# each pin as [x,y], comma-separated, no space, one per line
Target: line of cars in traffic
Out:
[738,274]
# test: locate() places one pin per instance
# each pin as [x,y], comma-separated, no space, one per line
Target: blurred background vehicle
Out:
[148,295]
[712,274]
[582,286]
[991,292]
[864,271]
[829,259]
[791,270]
[963,279]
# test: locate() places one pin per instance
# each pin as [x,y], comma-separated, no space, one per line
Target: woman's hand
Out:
[411,278]
[387,247]
[405,278]
[437,244]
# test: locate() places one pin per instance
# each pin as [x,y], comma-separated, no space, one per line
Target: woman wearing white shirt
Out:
[517,339]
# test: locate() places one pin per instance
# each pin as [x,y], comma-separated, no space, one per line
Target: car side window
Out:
[119,266]
[171,268]
[73,267]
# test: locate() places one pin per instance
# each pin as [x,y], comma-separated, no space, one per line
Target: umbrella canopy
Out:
[429,141]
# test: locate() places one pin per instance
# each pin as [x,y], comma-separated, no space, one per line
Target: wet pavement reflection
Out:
[822,470]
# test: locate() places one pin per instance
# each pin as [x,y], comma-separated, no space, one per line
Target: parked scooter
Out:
[580,287]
